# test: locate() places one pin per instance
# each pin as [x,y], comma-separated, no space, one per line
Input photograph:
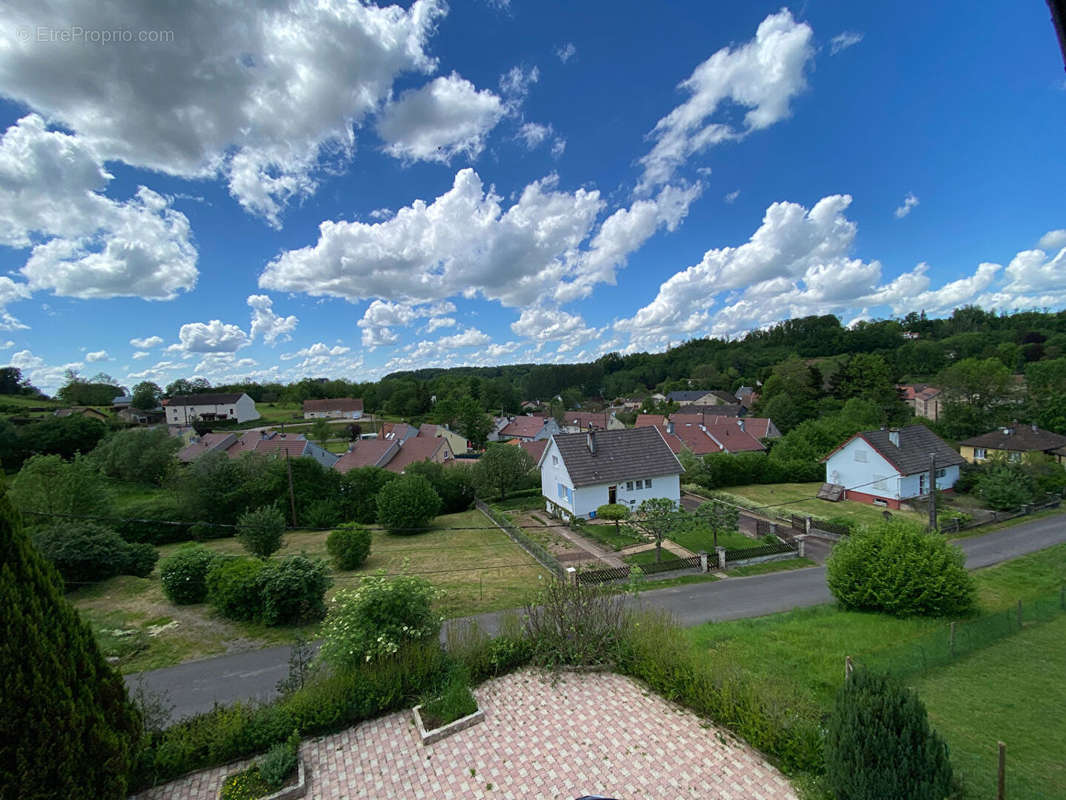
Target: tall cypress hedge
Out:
[67,728]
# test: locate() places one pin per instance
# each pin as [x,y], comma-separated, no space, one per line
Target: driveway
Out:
[543,737]
[196,686]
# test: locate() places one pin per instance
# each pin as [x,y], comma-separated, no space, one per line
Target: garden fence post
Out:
[704,565]
[952,639]
[1001,782]
[720,551]
[807,525]
[571,576]
[801,545]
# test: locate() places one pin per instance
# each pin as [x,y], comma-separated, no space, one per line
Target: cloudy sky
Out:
[331,189]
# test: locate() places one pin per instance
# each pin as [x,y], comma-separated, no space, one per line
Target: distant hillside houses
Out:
[397,448]
[268,443]
[703,433]
[186,409]
[336,408]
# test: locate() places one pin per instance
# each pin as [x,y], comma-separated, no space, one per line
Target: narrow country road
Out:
[197,685]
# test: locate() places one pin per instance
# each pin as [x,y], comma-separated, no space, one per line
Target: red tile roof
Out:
[535,449]
[655,420]
[366,453]
[696,439]
[283,444]
[525,427]
[419,449]
[734,440]
[585,419]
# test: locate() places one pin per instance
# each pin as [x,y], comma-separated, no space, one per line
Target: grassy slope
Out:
[1012,692]
[477,569]
[805,648]
[800,499]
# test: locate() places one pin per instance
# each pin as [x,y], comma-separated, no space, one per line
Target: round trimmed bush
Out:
[234,587]
[879,744]
[293,591]
[184,574]
[349,546]
[406,505]
[260,531]
[898,568]
[140,559]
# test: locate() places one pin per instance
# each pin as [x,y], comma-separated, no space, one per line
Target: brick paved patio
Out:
[590,733]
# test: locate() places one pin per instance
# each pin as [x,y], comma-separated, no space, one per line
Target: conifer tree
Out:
[67,728]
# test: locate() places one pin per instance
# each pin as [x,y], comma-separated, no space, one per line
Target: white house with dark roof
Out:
[887,467]
[579,472]
[186,409]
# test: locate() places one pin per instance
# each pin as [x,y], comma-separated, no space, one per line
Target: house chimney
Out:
[1034,428]
[893,436]
[740,424]
[669,427]
[590,440]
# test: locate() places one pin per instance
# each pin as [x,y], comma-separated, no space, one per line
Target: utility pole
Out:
[292,494]
[932,491]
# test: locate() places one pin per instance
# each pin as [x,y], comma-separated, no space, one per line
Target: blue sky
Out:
[346,190]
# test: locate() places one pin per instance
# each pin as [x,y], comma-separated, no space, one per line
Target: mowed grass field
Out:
[801,499]
[474,565]
[803,652]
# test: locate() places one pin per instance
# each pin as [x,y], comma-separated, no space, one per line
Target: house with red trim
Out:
[888,467]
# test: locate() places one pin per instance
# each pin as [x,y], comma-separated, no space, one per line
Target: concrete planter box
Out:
[435,735]
[298,789]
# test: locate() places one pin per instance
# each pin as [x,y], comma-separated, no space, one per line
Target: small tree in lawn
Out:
[718,517]
[613,512]
[321,431]
[260,531]
[657,517]
[407,504]
[501,468]
[879,744]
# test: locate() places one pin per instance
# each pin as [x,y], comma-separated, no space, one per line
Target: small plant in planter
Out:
[455,704]
[267,776]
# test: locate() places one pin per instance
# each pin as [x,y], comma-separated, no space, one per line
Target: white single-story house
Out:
[579,472]
[336,408]
[186,409]
[887,467]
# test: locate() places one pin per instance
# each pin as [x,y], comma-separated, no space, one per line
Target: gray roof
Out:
[916,442]
[203,399]
[686,394]
[620,455]
[1022,438]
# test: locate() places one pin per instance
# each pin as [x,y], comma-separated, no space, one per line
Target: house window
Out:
[640,484]
[569,496]
[860,456]
[562,490]
[979,452]
[629,486]
[647,483]
[940,473]
[555,461]
[231,412]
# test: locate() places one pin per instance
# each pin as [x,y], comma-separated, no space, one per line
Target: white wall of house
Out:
[556,485]
[858,466]
[911,485]
[242,410]
[333,414]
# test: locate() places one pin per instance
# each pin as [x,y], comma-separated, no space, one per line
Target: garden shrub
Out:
[879,744]
[348,546]
[234,587]
[453,702]
[489,657]
[377,618]
[454,484]
[323,513]
[260,531]
[280,761]
[184,574]
[407,505]
[574,624]
[293,591]
[898,568]
[138,455]
[85,552]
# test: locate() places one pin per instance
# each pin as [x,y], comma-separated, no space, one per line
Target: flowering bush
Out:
[378,618]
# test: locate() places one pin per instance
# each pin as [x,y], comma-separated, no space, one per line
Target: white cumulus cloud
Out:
[268,324]
[147,343]
[908,204]
[210,337]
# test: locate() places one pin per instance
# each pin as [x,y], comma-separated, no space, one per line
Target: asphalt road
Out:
[196,686]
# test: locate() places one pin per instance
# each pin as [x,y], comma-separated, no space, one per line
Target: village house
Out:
[888,467]
[581,471]
[925,400]
[581,421]
[1015,443]
[186,409]
[528,428]
[337,408]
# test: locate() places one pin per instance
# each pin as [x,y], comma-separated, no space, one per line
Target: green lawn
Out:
[607,534]
[697,537]
[764,567]
[800,499]
[476,569]
[803,652]
[1011,692]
